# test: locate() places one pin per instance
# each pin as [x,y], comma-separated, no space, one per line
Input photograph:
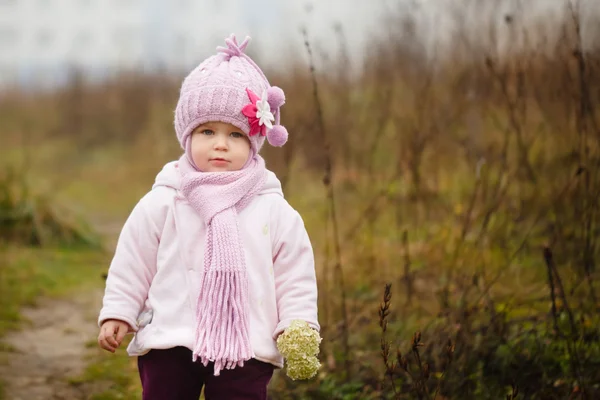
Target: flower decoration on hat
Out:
[263,111]
[259,113]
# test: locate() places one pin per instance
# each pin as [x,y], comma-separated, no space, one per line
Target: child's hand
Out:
[112,333]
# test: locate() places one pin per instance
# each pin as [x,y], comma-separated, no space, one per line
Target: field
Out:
[453,208]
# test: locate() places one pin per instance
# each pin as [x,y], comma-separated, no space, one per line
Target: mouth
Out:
[219,159]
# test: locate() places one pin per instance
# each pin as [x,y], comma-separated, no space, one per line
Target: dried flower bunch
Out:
[299,345]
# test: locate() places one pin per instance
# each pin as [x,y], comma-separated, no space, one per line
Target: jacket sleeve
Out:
[134,264]
[294,270]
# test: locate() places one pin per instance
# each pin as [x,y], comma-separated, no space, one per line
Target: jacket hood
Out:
[170,177]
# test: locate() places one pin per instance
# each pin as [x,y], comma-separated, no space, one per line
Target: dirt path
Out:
[50,349]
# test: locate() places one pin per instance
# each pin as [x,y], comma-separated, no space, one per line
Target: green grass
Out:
[117,371]
[26,274]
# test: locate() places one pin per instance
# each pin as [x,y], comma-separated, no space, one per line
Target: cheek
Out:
[245,148]
[197,149]
[197,146]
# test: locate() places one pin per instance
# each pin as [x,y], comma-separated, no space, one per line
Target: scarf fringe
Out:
[222,332]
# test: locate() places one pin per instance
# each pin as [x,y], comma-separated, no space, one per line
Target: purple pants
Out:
[172,375]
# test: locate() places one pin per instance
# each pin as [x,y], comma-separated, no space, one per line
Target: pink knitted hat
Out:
[229,87]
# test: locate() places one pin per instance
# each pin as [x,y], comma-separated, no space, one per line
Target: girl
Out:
[213,264]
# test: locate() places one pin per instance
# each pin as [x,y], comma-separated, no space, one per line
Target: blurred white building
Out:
[42,41]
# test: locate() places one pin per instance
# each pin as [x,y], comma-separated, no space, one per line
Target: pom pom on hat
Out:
[277,136]
[275,97]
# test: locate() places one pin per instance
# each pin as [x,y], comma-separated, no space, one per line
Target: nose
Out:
[220,142]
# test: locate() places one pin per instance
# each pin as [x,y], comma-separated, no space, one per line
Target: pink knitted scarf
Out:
[222,330]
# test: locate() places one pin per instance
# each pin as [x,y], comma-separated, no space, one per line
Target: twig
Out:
[407,274]
[423,368]
[328,182]
[552,270]
[450,347]
[384,311]
[571,338]
[552,292]
[584,115]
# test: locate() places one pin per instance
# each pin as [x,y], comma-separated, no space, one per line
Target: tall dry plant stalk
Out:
[585,122]
[328,182]
[555,282]
[414,368]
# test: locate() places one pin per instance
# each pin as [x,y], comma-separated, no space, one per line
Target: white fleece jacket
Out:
[153,286]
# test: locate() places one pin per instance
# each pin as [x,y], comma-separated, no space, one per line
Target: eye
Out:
[237,134]
[206,132]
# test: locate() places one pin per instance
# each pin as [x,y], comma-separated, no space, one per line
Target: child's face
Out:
[218,147]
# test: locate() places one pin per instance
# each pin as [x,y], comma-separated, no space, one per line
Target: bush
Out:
[31,219]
